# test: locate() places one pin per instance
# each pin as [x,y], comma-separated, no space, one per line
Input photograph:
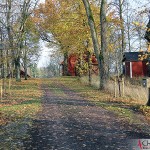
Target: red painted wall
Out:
[72,60]
[71,64]
[139,69]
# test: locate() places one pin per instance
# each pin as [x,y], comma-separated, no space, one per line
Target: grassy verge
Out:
[123,107]
[146,111]
[22,101]
[17,109]
[133,93]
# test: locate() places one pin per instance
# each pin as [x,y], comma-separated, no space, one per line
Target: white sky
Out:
[44,58]
[41,1]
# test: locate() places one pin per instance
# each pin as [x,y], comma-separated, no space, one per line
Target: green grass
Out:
[146,111]
[121,112]
[22,101]
[17,111]
[27,109]
[119,106]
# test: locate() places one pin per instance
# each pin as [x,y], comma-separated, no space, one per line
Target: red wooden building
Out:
[133,66]
[72,62]
[72,65]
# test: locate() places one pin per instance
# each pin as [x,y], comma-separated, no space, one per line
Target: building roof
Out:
[132,56]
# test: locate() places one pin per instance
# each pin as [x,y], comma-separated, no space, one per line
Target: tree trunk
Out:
[17,69]
[128,29]
[8,66]
[25,71]
[93,34]
[10,36]
[1,54]
[25,66]
[65,68]
[122,33]
[148,102]
[89,68]
[103,26]
[78,72]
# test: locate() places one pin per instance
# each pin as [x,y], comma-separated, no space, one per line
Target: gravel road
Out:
[70,122]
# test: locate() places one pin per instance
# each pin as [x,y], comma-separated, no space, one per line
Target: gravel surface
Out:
[71,122]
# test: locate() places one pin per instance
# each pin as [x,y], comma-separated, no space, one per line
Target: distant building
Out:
[72,62]
[134,66]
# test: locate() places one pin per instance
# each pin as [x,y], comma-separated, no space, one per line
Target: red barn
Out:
[72,61]
[133,66]
[72,65]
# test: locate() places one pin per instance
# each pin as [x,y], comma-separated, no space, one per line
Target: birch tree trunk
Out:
[122,25]
[122,33]
[128,29]
[10,35]
[103,27]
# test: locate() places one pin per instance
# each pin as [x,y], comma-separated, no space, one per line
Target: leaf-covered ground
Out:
[69,116]
[17,110]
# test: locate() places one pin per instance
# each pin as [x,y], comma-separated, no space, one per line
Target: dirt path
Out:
[70,122]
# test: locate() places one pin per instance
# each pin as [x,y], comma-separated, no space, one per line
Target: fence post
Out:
[148,102]
[119,87]
[122,87]
[1,86]
[115,86]
[146,84]
[9,84]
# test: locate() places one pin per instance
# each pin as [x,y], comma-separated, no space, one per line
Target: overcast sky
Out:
[44,58]
[41,1]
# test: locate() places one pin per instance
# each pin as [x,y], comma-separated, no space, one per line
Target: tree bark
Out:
[65,68]
[25,63]
[128,28]
[103,27]
[148,102]
[1,55]
[25,69]
[89,68]
[10,36]
[17,69]
[122,32]
[93,34]
[122,25]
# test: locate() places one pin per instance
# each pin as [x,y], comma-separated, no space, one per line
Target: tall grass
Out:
[133,93]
